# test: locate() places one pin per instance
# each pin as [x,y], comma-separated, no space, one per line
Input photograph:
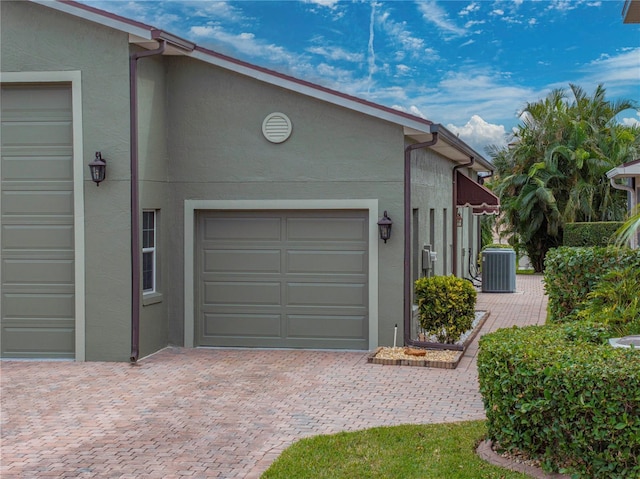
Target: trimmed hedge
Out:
[560,395]
[446,306]
[572,273]
[589,234]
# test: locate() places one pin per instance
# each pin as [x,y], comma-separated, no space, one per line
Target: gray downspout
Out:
[454,222]
[407,232]
[135,197]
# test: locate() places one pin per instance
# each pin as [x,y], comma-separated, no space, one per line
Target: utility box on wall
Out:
[498,270]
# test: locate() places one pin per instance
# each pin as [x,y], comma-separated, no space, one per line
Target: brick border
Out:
[485,452]
[371,358]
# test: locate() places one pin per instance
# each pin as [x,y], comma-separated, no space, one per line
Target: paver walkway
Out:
[224,413]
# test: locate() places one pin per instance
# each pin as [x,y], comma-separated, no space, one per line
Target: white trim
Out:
[192,206]
[75,78]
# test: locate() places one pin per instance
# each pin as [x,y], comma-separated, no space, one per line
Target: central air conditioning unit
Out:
[498,270]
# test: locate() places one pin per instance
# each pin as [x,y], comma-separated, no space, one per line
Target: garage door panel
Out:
[326,262]
[242,229]
[246,292]
[326,294]
[242,325]
[37,202]
[38,271]
[35,134]
[37,237]
[30,168]
[242,261]
[327,326]
[36,339]
[326,229]
[38,305]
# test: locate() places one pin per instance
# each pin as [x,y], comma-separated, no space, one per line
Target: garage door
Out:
[282,279]
[37,222]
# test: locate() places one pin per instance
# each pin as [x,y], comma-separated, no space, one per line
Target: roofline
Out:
[313,90]
[619,171]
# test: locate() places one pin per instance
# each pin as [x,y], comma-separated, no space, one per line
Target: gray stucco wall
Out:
[154,190]
[33,39]
[217,151]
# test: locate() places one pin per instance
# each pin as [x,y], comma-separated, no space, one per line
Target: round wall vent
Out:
[276,127]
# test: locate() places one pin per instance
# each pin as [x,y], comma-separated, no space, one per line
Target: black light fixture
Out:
[384,224]
[98,169]
[459,219]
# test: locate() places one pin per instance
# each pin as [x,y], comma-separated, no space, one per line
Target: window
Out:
[149,251]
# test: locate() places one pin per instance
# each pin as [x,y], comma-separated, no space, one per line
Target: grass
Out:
[442,451]
[526,271]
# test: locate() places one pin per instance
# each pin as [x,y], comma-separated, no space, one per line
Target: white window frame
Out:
[153,250]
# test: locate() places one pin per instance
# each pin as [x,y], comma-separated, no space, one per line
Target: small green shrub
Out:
[561,395]
[446,306]
[572,273]
[590,234]
[615,302]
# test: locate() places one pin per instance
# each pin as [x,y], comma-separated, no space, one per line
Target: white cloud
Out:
[631,121]
[472,7]
[324,3]
[336,54]
[617,73]
[433,13]
[413,110]
[399,33]
[479,134]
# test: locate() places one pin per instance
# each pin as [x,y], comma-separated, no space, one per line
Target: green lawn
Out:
[442,451]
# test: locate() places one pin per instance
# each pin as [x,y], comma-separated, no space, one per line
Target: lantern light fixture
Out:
[384,225]
[459,219]
[98,169]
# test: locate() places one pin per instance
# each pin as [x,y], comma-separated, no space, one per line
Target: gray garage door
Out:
[37,222]
[282,279]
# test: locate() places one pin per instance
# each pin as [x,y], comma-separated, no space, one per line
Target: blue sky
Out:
[470,65]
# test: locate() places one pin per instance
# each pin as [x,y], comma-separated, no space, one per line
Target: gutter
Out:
[454,213]
[407,233]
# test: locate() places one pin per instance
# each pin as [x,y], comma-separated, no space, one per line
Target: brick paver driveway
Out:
[223,413]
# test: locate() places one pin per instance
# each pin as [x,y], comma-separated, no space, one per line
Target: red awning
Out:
[472,194]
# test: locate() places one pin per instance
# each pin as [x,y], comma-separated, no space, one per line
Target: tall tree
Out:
[553,170]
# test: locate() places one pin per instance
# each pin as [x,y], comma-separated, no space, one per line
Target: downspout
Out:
[407,231]
[135,197]
[454,222]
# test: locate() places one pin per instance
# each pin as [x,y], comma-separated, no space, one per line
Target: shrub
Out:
[590,234]
[446,306]
[572,273]
[615,302]
[560,395]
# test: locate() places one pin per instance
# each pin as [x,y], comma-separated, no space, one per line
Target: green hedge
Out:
[446,306]
[559,394]
[572,273]
[589,234]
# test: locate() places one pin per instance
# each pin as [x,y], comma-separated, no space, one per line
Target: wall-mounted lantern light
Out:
[459,219]
[98,169]
[384,224]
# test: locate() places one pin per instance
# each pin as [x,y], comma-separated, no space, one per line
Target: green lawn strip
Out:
[411,451]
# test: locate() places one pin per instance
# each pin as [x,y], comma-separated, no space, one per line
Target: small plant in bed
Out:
[446,307]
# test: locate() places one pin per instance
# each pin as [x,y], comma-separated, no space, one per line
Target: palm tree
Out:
[554,170]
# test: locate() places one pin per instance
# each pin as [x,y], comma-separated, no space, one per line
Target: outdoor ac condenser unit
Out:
[498,270]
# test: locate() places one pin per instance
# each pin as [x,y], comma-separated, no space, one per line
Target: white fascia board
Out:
[624,171]
[96,17]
